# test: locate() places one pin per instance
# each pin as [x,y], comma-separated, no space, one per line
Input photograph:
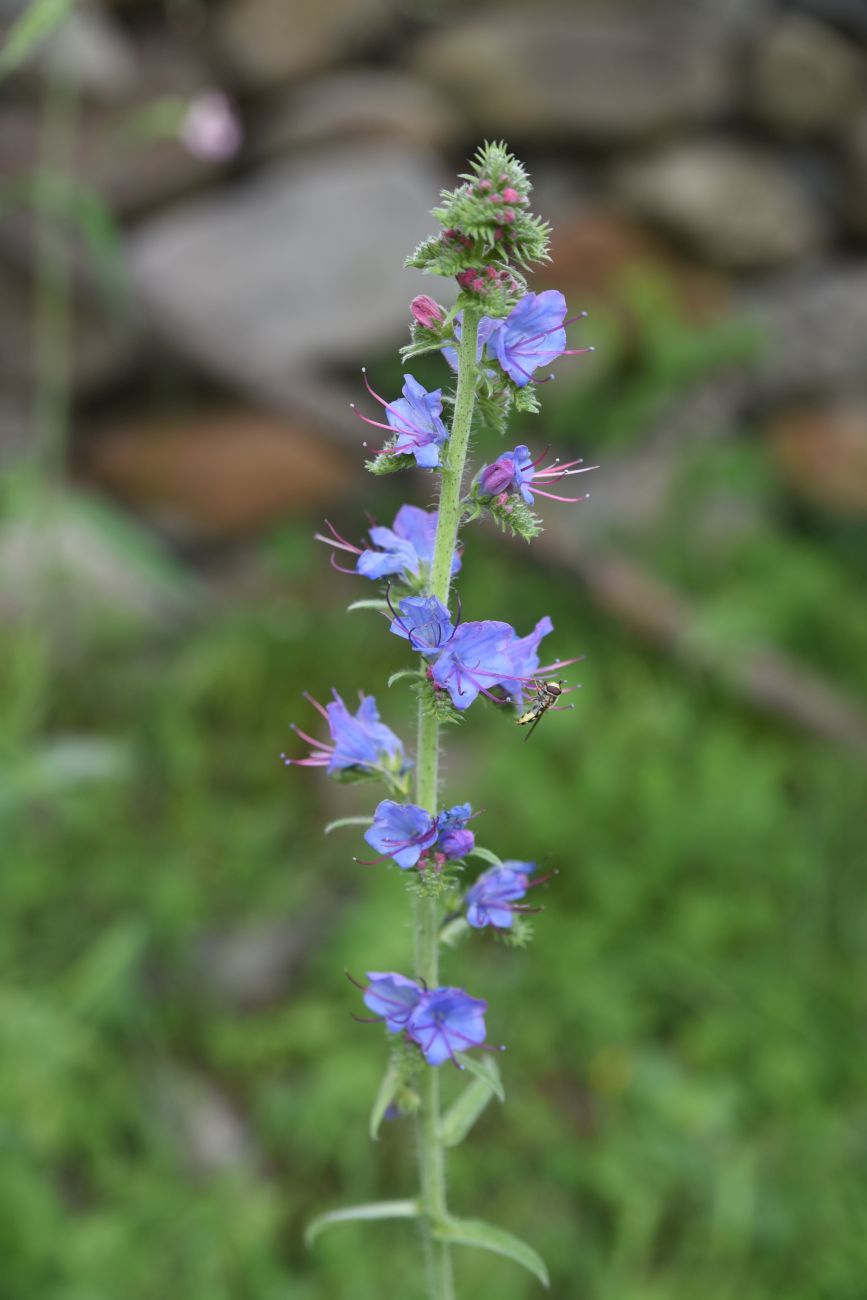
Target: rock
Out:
[597,76]
[855,176]
[210,1134]
[806,78]
[91,51]
[255,964]
[848,16]
[214,474]
[302,263]
[266,42]
[364,103]
[735,207]
[815,330]
[70,563]
[822,454]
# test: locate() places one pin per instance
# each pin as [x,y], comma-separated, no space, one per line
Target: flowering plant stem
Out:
[430,1147]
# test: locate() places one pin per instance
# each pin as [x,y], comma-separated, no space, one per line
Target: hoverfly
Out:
[547,695]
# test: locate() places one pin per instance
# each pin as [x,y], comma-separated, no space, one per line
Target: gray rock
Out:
[599,76]
[209,1133]
[815,327]
[266,42]
[735,207]
[92,52]
[302,263]
[255,964]
[363,103]
[807,78]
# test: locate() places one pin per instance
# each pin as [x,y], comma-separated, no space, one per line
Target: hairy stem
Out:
[427,910]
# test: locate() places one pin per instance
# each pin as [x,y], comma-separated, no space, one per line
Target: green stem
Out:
[431,1153]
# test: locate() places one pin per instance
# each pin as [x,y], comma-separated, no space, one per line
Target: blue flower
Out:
[473,661]
[510,472]
[423,621]
[532,335]
[401,831]
[523,656]
[486,654]
[406,549]
[393,997]
[490,901]
[415,418]
[446,1021]
[454,841]
[486,329]
[358,741]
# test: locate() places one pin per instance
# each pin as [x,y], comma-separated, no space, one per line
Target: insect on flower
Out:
[546,697]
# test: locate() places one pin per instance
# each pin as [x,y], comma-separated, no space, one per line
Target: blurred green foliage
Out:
[685,1108]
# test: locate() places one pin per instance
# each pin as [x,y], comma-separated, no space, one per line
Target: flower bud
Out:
[496,478]
[456,843]
[427,311]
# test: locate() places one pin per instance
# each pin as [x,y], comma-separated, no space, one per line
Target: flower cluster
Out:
[411,836]
[496,337]
[442,1021]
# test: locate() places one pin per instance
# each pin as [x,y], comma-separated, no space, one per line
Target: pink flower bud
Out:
[511,196]
[427,311]
[508,216]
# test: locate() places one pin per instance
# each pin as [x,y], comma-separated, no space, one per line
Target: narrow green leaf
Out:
[475,1232]
[355,1213]
[402,673]
[347,821]
[486,855]
[367,604]
[37,22]
[463,1113]
[384,1097]
[454,931]
[483,1067]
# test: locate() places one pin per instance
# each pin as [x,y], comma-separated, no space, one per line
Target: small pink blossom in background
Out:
[210,128]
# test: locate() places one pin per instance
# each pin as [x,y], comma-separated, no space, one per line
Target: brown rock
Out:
[364,103]
[822,454]
[267,42]
[807,78]
[215,474]
[736,207]
[598,75]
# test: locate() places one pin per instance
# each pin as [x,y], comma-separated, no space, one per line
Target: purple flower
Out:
[523,656]
[490,901]
[483,655]
[405,549]
[510,472]
[454,840]
[401,831]
[473,661]
[358,741]
[514,471]
[532,335]
[423,621]
[210,128]
[393,997]
[446,1021]
[486,329]
[415,420]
